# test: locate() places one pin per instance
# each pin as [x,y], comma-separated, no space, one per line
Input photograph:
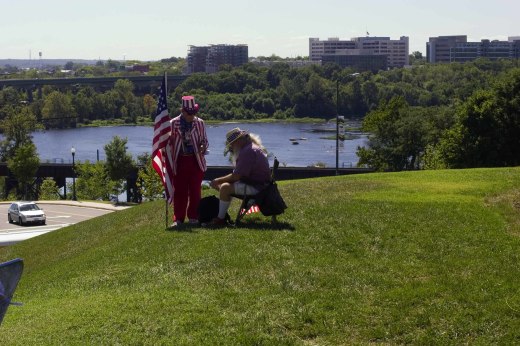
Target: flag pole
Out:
[166,211]
[165,195]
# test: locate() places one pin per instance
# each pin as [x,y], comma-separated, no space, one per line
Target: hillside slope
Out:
[413,257]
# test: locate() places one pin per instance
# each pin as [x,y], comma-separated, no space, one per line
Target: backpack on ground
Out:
[208,209]
[270,201]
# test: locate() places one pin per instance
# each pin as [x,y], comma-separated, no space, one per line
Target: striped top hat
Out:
[189,105]
[233,135]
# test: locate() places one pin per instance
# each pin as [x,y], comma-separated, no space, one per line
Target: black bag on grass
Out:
[270,201]
[208,209]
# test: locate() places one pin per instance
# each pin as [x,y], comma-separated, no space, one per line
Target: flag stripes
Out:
[161,158]
[254,209]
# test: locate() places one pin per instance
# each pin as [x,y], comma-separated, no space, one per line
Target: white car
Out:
[26,212]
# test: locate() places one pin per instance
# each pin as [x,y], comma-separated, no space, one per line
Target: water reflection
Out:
[313,143]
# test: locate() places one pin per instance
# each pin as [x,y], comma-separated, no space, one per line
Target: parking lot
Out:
[58,216]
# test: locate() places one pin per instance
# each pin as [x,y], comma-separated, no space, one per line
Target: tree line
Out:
[256,92]
[424,116]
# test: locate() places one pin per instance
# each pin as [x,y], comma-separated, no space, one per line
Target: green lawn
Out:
[429,257]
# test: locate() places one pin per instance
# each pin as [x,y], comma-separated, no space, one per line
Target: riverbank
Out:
[142,122]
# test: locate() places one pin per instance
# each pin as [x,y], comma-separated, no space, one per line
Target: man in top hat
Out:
[189,143]
[250,175]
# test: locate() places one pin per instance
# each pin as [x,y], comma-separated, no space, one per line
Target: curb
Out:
[95,205]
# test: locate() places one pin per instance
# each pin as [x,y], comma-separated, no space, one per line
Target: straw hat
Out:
[233,135]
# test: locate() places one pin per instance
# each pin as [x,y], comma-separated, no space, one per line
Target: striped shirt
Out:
[198,138]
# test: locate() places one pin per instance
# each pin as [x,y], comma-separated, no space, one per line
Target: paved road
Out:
[59,214]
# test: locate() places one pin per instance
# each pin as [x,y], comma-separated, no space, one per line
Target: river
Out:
[312,147]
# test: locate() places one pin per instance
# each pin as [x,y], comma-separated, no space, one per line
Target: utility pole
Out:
[337,126]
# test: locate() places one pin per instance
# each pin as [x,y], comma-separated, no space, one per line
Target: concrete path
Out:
[97,205]
[59,214]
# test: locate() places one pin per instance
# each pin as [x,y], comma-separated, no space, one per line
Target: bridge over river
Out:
[62,171]
[141,83]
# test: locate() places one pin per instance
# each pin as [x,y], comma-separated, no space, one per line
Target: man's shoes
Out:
[193,222]
[175,224]
[217,222]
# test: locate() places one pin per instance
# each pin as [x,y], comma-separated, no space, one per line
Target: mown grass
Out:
[429,257]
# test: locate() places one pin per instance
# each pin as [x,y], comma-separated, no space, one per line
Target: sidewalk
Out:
[97,205]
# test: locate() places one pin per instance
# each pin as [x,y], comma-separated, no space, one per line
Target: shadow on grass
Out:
[265,225]
[249,224]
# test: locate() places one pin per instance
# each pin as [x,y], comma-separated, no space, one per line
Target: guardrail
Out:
[64,170]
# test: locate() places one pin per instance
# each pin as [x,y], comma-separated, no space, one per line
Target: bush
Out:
[49,190]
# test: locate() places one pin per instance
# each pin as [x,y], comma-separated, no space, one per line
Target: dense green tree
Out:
[148,182]
[149,105]
[118,162]
[353,97]
[83,103]
[49,190]
[108,105]
[416,58]
[487,133]
[370,94]
[24,165]
[16,127]
[319,100]
[253,91]
[93,182]
[9,96]
[69,65]
[276,73]
[58,111]
[400,134]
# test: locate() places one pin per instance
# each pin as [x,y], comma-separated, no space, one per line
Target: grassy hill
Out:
[430,257]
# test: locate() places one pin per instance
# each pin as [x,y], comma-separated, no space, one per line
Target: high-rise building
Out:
[457,49]
[491,50]
[318,48]
[438,48]
[221,54]
[515,42]
[396,51]
[359,62]
[209,58]
[196,60]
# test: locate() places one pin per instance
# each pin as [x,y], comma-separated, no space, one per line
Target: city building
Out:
[438,49]
[318,48]
[357,59]
[138,68]
[395,51]
[209,58]
[196,60]
[293,63]
[491,50]
[457,49]
[515,40]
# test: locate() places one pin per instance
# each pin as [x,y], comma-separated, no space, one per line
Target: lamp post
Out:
[73,152]
[337,126]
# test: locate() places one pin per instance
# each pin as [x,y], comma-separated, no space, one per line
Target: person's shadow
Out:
[265,225]
[248,224]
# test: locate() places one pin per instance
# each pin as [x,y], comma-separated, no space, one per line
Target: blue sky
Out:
[158,29]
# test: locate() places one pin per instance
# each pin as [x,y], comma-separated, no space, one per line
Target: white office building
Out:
[396,51]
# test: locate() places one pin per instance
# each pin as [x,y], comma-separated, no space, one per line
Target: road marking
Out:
[46,228]
[103,212]
[9,238]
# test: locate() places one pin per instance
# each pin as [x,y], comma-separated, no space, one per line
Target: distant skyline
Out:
[132,30]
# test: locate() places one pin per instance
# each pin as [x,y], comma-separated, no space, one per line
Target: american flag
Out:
[161,135]
[254,209]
